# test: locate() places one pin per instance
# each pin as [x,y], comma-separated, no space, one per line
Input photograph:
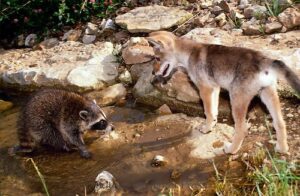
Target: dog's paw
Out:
[208,127]
[229,148]
[282,149]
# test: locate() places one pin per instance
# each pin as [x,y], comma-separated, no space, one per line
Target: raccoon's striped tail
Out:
[288,74]
[26,142]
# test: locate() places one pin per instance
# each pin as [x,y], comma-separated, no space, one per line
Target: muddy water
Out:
[142,135]
[127,158]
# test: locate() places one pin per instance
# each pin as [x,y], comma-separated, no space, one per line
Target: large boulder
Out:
[110,95]
[70,65]
[290,18]
[152,18]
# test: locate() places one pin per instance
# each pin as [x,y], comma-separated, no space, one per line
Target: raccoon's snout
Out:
[100,125]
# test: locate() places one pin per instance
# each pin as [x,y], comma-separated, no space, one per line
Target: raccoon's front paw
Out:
[85,154]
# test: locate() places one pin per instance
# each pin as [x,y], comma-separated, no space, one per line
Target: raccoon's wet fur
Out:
[58,119]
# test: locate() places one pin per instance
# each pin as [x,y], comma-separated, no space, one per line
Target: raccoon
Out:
[58,119]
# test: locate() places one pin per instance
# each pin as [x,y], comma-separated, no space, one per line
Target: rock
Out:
[290,115]
[224,5]
[137,54]
[273,27]
[125,77]
[72,35]
[21,40]
[5,105]
[108,25]
[216,10]
[109,95]
[290,18]
[158,161]
[163,110]
[243,4]
[205,4]
[31,40]
[255,10]
[137,51]
[48,43]
[252,29]
[91,29]
[206,146]
[71,65]
[104,183]
[122,36]
[88,39]
[221,19]
[152,18]
[201,20]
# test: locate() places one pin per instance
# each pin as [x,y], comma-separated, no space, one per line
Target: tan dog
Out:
[243,72]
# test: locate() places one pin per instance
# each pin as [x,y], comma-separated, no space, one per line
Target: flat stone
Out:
[72,35]
[254,10]
[164,109]
[137,54]
[88,39]
[252,29]
[273,27]
[152,18]
[109,95]
[70,65]
[48,43]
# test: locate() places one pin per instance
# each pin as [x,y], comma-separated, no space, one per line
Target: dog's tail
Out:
[288,74]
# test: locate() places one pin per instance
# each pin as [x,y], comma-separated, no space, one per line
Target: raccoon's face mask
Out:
[96,118]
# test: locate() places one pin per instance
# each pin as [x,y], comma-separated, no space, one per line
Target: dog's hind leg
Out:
[270,98]
[240,101]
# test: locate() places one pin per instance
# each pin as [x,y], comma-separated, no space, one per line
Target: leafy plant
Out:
[237,22]
[273,7]
[27,16]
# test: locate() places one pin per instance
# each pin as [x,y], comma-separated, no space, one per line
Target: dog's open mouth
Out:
[166,70]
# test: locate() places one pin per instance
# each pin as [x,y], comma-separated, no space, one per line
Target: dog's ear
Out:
[155,44]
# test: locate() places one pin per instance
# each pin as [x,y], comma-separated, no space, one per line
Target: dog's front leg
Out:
[208,95]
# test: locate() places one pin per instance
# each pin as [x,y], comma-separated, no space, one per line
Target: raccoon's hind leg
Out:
[50,136]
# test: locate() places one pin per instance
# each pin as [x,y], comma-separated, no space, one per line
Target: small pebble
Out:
[289,115]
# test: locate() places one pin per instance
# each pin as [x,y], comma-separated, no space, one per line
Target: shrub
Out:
[27,16]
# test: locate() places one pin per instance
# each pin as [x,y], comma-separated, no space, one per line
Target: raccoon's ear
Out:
[83,114]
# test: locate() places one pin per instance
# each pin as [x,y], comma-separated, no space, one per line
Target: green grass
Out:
[277,178]
[265,175]
[40,176]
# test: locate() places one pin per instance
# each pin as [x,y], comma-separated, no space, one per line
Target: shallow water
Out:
[142,135]
[127,158]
